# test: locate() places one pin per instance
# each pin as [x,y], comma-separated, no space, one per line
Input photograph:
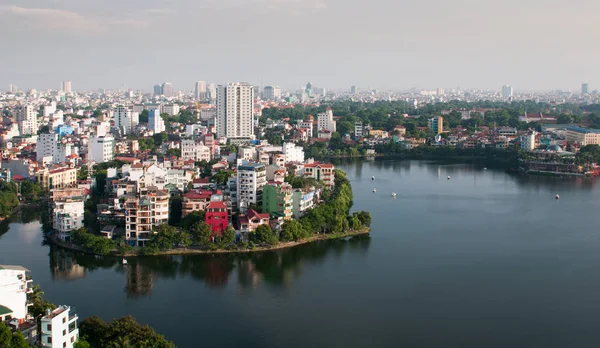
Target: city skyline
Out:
[393,45]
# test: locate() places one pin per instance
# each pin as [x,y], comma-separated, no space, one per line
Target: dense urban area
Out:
[239,168]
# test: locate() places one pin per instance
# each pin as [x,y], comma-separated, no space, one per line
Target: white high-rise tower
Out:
[66,86]
[200,90]
[26,116]
[235,110]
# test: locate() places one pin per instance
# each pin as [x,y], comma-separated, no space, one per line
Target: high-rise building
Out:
[26,116]
[157,90]
[11,88]
[126,119]
[325,121]
[309,88]
[167,89]
[235,110]
[272,93]
[507,91]
[155,121]
[585,89]
[436,124]
[144,212]
[200,90]
[353,89]
[251,178]
[66,86]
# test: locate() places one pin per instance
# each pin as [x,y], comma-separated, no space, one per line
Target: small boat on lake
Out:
[557,197]
[374,190]
[372,178]
[394,194]
[124,261]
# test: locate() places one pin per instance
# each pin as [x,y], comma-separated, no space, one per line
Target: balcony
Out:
[73,315]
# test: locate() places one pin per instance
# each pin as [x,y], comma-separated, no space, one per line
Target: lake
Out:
[484,259]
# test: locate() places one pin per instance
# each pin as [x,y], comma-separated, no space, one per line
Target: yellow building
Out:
[436,124]
[57,178]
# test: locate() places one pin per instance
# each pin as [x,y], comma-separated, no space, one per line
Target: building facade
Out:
[67,215]
[59,328]
[326,121]
[143,212]
[321,172]
[101,149]
[26,117]
[251,178]
[583,136]
[235,111]
[277,199]
[436,124]
[155,121]
[14,287]
[217,217]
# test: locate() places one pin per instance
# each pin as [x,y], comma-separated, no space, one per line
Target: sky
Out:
[384,44]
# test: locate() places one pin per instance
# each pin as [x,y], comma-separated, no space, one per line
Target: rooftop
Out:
[5,310]
[14,268]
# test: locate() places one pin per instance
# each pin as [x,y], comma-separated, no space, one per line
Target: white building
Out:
[49,109]
[167,89]
[247,153]
[14,287]
[194,150]
[507,91]
[293,153]
[171,109]
[200,90]
[46,146]
[59,328]
[302,202]
[100,149]
[155,121]
[26,116]
[325,121]
[251,178]
[235,111]
[67,215]
[126,119]
[143,212]
[528,141]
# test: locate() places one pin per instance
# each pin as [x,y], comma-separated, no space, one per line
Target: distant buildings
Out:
[167,89]
[507,91]
[293,153]
[353,89]
[235,111]
[171,109]
[583,136]
[217,217]
[200,90]
[584,89]
[66,86]
[272,93]
[436,124]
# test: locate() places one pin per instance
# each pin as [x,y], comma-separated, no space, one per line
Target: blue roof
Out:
[250,166]
[582,129]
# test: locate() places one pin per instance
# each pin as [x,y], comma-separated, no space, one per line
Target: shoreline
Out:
[193,251]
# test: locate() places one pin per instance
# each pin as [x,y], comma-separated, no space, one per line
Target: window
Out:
[64,332]
[72,339]
[49,327]
[50,340]
[64,344]
[64,320]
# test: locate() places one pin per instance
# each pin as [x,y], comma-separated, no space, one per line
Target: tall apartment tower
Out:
[272,93]
[200,90]
[66,86]
[235,110]
[126,119]
[26,116]
[167,89]
[507,91]
[585,89]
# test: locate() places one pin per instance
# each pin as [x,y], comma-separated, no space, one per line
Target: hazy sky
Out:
[530,44]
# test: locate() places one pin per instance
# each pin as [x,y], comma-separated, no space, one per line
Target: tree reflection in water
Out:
[278,268]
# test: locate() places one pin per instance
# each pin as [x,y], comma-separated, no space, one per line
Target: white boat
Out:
[557,197]
[484,168]
[374,190]
[124,261]
[372,178]
[394,194]
[448,177]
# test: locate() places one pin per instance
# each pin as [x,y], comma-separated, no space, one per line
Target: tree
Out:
[144,116]
[185,240]
[228,236]
[191,219]
[201,233]
[365,218]
[160,138]
[121,332]
[222,176]
[263,235]
[564,119]
[31,191]
[293,230]
[5,335]
[81,343]
[174,152]
[18,341]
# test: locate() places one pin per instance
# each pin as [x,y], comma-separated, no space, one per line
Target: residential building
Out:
[302,202]
[307,126]
[143,212]
[67,215]
[358,129]
[353,89]
[507,131]
[247,153]
[235,111]
[26,117]
[436,124]
[57,178]
[583,136]
[325,121]
[321,172]
[155,121]
[15,284]
[585,89]
[251,178]
[46,146]
[126,119]
[157,90]
[251,220]
[528,141]
[101,149]
[200,90]
[217,217]
[195,200]
[59,328]
[293,153]
[277,199]
[171,109]
[192,149]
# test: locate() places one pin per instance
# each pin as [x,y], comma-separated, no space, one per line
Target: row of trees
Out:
[122,332]
[9,339]
[99,245]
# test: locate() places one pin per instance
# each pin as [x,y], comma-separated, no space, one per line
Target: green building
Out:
[277,199]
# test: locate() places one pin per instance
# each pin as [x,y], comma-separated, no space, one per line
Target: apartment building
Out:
[15,284]
[277,199]
[251,178]
[57,178]
[143,212]
[59,328]
[67,215]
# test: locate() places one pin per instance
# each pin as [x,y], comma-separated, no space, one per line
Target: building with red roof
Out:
[217,217]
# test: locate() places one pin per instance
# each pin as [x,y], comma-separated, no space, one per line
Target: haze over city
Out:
[532,45]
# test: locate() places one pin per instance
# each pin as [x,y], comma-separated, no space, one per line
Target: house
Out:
[321,172]
[195,200]
[108,231]
[15,284]
[217,217]
[59,328]
[252,219]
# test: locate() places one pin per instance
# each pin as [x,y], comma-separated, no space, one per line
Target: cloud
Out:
[269,6]
[57,19]
[159,11]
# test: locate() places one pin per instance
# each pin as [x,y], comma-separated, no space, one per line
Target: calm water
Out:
[482,260]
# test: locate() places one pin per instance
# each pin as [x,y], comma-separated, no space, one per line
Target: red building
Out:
[217,217]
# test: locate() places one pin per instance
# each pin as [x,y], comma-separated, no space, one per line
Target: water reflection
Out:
[278,268]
